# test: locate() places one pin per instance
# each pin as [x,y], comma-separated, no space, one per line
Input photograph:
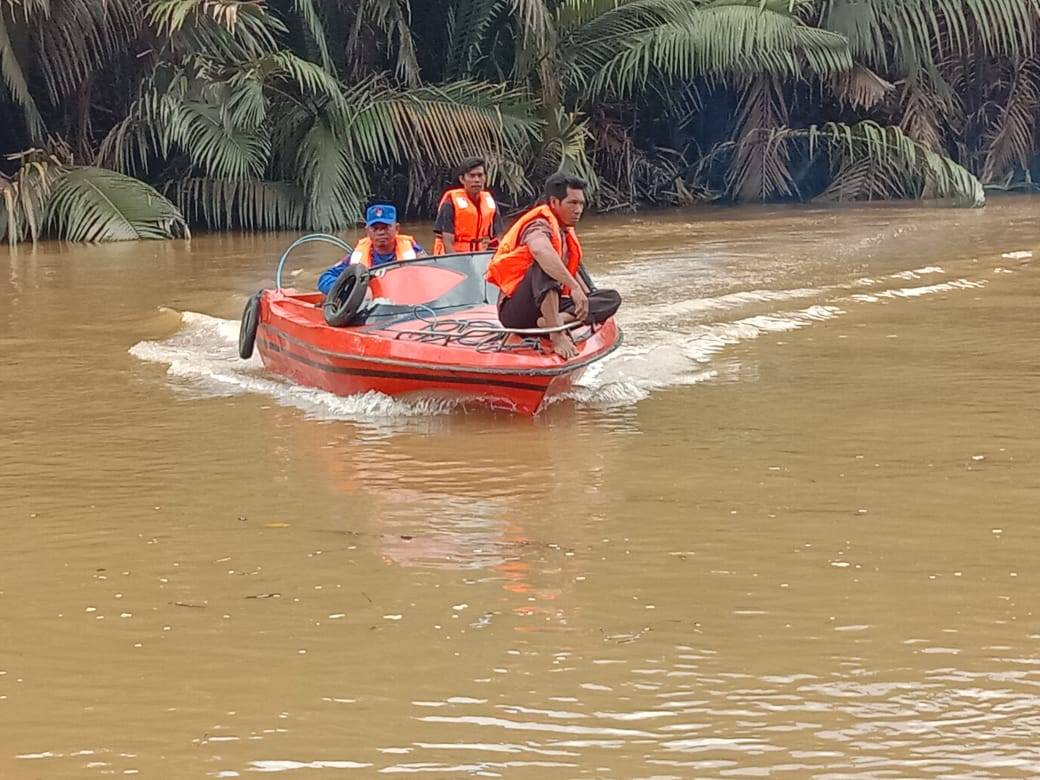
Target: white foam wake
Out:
[204,352]
[681,357]
[917,292]
[660,312]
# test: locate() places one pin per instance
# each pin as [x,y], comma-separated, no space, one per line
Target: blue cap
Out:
[380,213]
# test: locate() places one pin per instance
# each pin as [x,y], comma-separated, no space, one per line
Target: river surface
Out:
[791,529]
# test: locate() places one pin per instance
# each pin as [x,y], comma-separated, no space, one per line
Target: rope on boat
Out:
[482,335]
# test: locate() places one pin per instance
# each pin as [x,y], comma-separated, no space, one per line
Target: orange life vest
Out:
[474,222]
[405,250]
[511,261]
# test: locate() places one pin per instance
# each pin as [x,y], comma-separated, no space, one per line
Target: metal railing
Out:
[308,239]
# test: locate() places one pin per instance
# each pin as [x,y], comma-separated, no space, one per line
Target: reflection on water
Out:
[787,530]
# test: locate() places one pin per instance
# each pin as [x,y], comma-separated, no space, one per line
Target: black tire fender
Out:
[346,295]
[247,330]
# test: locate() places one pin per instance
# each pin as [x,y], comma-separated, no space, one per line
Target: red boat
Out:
[419,328]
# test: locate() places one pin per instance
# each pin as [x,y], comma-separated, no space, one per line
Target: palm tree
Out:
[260,137]
[50,51]
[241,131]
[968,74]
[615,65]
[265,114]
[748,59]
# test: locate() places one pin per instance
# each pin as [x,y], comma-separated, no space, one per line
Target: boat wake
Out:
[671,344]
[204,353]
[668,343]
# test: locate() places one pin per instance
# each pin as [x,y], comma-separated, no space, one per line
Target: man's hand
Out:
[581,303]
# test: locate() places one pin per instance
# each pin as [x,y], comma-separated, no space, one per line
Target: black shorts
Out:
[523,308]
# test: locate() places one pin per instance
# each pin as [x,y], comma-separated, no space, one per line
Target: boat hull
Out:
[294,342]
[347,375]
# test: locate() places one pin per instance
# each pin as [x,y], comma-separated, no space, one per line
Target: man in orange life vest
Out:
[468,219]
[536,268]
[381,245]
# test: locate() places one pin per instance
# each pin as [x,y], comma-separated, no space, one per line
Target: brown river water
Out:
[790,529]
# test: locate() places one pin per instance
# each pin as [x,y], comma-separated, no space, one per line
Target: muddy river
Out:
[790,529]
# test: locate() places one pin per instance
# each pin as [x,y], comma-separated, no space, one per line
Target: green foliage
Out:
[889,162]
[910,35]
[292,114]
[247,204]
[94,204]
[23,197]
[17,85]
[721,40]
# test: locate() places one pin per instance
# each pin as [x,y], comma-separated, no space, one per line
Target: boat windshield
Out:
[438,284]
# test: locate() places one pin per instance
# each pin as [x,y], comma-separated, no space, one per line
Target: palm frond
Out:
[219,124]
[564,147]
[761,168]
[147,130]
[628,175]
[222,149]
[868,179]
[17,84]
[1010,141]
[592,31]
[30,8]
[248,204]
[336,185]
[23,196]
[468,33]
[726,39]
[316,30]
[244,101]
[307,77]
[169,16]
[434,124]
[860,87]
[228,30]
[75,38]
[888,148]
[910,34]
[536,26]
[94,204]
[925,109]
[535,49]
[610,22]
[393,19]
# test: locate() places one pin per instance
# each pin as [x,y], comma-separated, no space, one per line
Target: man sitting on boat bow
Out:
[382,244]
[536,269]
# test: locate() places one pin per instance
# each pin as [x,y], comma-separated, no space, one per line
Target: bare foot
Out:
[563,345]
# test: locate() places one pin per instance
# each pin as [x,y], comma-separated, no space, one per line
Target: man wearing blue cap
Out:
[381,245]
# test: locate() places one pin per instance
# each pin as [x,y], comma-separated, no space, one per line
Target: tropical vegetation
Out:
[137,118]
